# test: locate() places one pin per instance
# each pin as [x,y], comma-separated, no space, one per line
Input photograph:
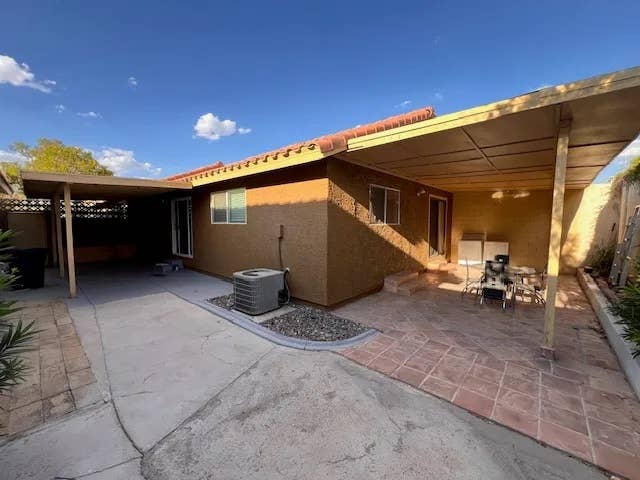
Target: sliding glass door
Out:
[181,225]
[437,226]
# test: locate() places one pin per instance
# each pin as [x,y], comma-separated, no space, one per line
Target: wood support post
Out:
[58,222]
[555,235]
[69,227]
[54,248]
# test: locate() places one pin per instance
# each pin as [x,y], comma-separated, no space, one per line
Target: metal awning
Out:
[511,144]
[96,187]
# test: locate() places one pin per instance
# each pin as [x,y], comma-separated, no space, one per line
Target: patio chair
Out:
[471,283]
[494,283]
[536,290]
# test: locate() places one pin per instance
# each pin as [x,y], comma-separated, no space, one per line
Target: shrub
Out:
[601,259]
[15,338]
[628,308]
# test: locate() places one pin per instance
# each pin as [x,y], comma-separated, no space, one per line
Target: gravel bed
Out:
[226,301]
[312,323]
[306,322]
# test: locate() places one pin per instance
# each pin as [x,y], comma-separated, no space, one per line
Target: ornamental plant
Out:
[15,337]
[628,309]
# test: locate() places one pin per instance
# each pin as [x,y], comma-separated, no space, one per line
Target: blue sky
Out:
[133,79]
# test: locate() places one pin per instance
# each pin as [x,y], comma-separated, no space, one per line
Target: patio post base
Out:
[548,353]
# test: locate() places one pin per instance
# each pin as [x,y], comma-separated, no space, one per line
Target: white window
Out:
[182,227]
[384,205]
[229,206]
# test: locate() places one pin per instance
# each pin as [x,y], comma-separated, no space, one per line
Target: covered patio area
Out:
[148,231]
[487,360]
[512,172]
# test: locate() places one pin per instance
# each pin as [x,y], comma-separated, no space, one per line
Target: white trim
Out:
[446,225]
[384,222]
[226,192]
[174,237]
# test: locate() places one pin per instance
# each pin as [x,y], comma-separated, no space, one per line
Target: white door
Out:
[181,226]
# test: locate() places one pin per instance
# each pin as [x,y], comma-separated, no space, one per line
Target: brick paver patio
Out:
[486,360]
[59,379]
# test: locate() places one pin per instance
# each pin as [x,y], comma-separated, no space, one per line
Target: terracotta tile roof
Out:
[332,143]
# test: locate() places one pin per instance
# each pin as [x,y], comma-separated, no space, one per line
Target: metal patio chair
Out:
[471,283]
[494,285]
[536,290]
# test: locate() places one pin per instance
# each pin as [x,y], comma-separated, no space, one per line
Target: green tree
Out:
[631,174]
[50,155]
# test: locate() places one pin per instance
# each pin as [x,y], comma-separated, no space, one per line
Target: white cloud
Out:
[438,96]
[6,156]
[211,127]
[123,163]
[632,151]
[132,81]
[90,114]
[404,104]
[60,108]
[20,75]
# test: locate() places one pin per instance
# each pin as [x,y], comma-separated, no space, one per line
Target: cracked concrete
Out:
[202,398]
[74,446]
[277,421]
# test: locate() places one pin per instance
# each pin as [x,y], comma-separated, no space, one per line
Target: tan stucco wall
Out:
[361,254]
[591,220]
[30,229]
[295,198]
[589,217]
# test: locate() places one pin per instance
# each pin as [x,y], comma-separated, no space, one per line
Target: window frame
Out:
[386,189]
[228,206]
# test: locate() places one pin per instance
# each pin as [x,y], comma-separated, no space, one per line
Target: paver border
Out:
[244,321]
[621,347]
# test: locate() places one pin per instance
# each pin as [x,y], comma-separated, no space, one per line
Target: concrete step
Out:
[441,266]
[409,288]
[394,281]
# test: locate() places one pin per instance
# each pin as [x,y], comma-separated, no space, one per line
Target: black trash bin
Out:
[30,263]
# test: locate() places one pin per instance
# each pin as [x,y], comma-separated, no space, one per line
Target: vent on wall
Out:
[256,291]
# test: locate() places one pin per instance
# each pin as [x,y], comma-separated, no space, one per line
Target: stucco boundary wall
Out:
[621,347]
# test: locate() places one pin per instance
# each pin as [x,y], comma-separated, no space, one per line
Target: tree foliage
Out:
[50,155]
[631,174]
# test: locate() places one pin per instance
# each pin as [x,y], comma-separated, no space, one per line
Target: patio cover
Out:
[95,187]
[511,144]
[86,187]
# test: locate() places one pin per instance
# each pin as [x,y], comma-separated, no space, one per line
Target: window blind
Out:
[237,206]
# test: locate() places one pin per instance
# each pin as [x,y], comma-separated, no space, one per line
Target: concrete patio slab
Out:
[206,396]
[163,356]
[486,360]
[80,444]
[127,471]
[316,415]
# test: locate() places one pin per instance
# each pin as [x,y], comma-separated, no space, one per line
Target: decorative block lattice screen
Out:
[79,208]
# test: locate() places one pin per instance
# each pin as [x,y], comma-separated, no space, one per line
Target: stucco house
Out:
[345,210]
